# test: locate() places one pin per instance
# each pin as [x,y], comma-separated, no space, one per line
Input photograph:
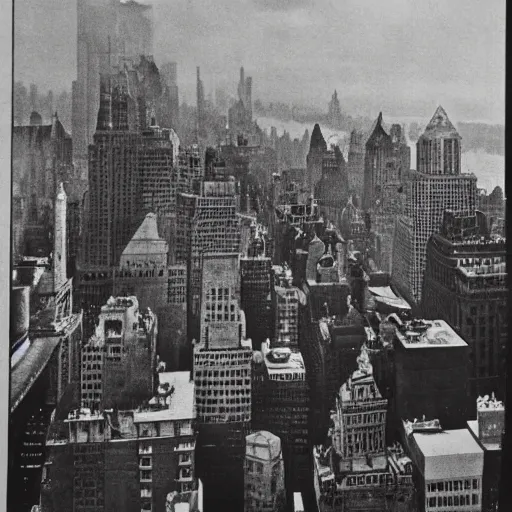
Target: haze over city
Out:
[392,56]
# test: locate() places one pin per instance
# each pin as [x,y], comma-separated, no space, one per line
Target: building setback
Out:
[465,284]
[437,185]
[222,375]
[119,362]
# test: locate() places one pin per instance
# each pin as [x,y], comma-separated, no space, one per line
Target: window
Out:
[432,502]
[475,483]
[474,499]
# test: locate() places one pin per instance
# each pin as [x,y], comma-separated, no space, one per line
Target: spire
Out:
[317,139]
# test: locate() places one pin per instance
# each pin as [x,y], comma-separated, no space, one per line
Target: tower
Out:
[60,239]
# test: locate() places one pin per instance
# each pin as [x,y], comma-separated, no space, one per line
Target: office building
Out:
[124,459]
[256,288]
[488,430]
[240,114]
[284,409]
[222,376]
[465,285]
[431,373]
[436,185]
[355,164]
[41,160]
[314,160]
[263,473]
[355,469]
[119,361]
[387,159]
[448,469]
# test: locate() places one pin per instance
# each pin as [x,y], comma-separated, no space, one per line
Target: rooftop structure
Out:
[425,333]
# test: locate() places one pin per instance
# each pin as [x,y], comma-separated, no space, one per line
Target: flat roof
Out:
[447,442]
[434,333]
[294,364]
[181,406]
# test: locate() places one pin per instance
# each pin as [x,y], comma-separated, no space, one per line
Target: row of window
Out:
[453,501]
[453,485]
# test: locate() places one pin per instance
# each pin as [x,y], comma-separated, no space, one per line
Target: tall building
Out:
[436,186]
[355,470]
[355,165]
[448,469]
[334,114]
[214,227]
[124,459]
[465,284]
[256,288]
[41,159]
[387,159]
[284,410]
[114,186]
[263,473]
[119,361]
[286,309]
[169,73]
[431,373]
[240,114]
[222,375]
[200,126]
[488,430]
[332,190]
[314,160]
[108,33]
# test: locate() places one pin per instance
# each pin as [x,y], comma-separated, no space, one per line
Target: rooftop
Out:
[263,445]
[283,360]
[440,126]
[447,442]
[179,405]
[428,333]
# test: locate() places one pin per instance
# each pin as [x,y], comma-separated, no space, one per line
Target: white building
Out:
[450,464]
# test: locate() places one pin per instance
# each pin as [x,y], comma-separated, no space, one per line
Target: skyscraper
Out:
[465,285]
[387,159]
[108,31]
[222,376]
[314,160]
[436,185]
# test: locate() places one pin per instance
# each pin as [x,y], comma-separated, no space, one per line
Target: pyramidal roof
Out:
[317,139]
[146,239]
[376,128]
[440,125]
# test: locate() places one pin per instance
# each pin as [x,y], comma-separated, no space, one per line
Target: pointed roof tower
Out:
[440,126]
[317,139]
[146,240]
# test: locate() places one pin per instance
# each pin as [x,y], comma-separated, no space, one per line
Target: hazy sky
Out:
[400,56]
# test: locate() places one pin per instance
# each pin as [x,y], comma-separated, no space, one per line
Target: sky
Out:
[401,57]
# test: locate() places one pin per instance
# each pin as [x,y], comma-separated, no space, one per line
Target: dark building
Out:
[387,159]
[284,409]
[41,159]
[123,460]
[334,114]
[332,191]
[240,114]
[355,163]
[256,287]
[431,373]
[488,430]
[314,160]
[465,284]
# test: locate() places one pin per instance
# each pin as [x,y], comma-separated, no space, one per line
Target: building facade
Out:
[465,284]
